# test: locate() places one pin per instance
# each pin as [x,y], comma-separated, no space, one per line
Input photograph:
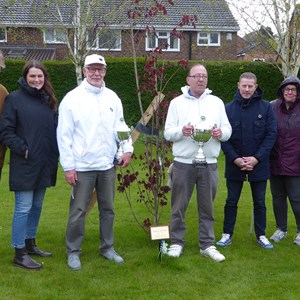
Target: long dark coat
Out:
[285,156]
[253,134]
[29,123]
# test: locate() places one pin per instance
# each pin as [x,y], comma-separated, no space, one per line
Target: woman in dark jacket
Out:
[285,157]
[28,129]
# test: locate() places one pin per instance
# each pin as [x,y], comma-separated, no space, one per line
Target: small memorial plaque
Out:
[160,232]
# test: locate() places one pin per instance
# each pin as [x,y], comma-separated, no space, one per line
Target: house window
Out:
[105,40]
[54,36]
[3,35]
[228,36]
[208,39]
[162,40]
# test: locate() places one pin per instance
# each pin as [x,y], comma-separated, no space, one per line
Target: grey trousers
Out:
[184,179]
[104,183]
[283,188]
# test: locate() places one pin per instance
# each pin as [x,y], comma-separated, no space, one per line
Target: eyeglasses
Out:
[198,76]
[94,70]
[292,90]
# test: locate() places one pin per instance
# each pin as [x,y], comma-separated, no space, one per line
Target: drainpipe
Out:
[190,45]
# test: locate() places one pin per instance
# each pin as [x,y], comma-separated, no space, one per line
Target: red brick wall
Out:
[189,50]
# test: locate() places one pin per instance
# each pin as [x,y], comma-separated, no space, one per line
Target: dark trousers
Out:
[283,188]
[258,190]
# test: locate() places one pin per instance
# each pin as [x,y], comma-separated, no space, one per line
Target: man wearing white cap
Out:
[86,135]
[3,94]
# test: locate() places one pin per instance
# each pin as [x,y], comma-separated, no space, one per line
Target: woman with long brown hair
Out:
[28,129]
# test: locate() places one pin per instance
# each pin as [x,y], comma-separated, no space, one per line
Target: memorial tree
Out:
[147,181]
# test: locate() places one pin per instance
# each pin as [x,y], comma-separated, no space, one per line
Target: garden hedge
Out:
[223,78]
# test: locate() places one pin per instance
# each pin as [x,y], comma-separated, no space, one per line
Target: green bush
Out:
[223,78]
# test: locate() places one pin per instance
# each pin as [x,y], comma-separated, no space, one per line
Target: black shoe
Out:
[23,260]
[33,249]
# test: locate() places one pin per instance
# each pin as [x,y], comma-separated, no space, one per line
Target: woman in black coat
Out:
[28,129]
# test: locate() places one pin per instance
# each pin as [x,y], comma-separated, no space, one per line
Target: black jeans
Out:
[234,189]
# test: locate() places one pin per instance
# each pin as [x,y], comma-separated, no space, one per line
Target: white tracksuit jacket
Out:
[206,111]
[86,133]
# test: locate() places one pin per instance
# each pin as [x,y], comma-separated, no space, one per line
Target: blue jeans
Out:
[28,207]
[234,189]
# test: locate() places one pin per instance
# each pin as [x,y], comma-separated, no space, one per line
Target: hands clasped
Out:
[246,163]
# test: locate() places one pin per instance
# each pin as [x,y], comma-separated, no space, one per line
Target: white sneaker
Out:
[74,262]
[111,254]
[175,250]
[213,253]
[297,239]
[278,235]
[264,242]
[225,240]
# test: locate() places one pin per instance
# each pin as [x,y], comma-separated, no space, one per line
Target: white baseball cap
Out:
[94,59]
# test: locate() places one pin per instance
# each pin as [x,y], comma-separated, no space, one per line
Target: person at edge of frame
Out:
[285,158]
[3,94]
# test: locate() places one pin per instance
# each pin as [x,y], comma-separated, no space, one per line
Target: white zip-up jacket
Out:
[86,132]
[205,112]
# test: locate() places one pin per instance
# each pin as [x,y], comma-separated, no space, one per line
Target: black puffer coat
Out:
[30,124]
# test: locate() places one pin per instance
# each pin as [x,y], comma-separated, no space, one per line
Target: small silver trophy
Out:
[200,135]
[123,134]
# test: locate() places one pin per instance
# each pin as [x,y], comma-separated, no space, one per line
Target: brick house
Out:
[255,51]
[29,29]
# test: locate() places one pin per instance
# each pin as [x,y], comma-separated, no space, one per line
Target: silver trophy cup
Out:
[123,133]
[201,136]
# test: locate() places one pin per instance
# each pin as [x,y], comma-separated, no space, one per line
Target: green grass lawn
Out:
[249,272]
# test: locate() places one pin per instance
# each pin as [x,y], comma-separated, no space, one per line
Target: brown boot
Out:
[23,260]
[33,249]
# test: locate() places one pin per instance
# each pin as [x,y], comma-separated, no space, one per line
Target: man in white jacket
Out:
[86,135]
[196,107]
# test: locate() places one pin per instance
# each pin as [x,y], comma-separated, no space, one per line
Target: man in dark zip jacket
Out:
[247,155]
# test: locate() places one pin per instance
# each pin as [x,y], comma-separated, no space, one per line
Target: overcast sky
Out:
[255,10]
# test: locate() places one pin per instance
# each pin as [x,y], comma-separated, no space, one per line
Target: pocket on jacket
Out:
[259,129]
[236,131]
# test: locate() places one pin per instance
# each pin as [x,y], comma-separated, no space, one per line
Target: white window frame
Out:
[117,43]
[259,59]
[153,41]
[5,34]
[208,36]
[59,36]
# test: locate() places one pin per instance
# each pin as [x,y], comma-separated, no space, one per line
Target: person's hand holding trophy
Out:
[123,135]
[201,133]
